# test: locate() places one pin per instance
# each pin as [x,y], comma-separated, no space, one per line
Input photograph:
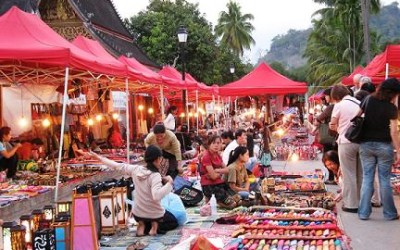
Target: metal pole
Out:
[64,109]
[197,112]
[162,102]
[127,120]
[387,71]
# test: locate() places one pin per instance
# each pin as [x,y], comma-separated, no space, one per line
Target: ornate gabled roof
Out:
[106,25]
[30,6]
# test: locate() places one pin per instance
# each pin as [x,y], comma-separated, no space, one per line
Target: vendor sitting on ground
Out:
[149,188]
[31,150]
[211,180]
[8,156]
[237,177]
[171,149]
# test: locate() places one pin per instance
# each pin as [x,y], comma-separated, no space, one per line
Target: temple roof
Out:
[100,19]
[29,6]
[106,25]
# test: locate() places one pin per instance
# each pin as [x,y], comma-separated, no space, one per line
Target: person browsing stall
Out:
[8,157]
[170,122]
[149,188]
[31,150]
[171,148]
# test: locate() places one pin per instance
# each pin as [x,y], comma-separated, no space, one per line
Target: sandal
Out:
[136,246]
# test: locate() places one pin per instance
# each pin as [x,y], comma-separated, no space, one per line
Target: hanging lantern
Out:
[48,212]
[120,206]
[38,216]
[44,239]
[18,238]
[27,221]
[63,207]
[108,216]
[6,233]
[62,234]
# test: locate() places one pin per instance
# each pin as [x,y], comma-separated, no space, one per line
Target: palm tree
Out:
[366,7]
[235,29]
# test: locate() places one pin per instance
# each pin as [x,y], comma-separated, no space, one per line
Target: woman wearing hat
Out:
[379,140]
[149,188]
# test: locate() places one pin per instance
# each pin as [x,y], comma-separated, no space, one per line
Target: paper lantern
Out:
[49,212]
[83,226]
[6,233]
[38,216]
[27,221]
[63,207]
[120,206]
[62,232]
[108,217]
[18,238]
[44,239]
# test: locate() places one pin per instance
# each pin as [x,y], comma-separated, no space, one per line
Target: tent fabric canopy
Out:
[376,69]
[263,80]
[94,47]
[317,96]
[30,40]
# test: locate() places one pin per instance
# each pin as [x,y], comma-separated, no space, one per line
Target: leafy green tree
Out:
[156,32]
[335,47]
[235,28]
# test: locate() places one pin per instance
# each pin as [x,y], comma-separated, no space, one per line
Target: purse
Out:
[354,132]
[324,135]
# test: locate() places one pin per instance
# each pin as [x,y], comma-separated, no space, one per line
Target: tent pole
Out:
[64,109]
[387,71]
[162,102]
[187,111]
[127,119]
[197,112]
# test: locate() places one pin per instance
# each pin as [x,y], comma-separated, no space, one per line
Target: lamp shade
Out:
[44,239]
[38,215]
[27,221]
[62,232]
[108,217]
[6,233]
[18,238]
[49,212]
[182,34]
[63,207]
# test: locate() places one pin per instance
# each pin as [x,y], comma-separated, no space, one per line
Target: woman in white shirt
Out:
[169,121]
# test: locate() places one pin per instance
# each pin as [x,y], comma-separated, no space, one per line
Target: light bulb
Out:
[90,122]
[115,116]
[311,111]
[151,111]
[23,122]
[280,132]
[46,123]
[201,111]
[190,114]
[99,117]
[140,107]
[295,157]
[182,115]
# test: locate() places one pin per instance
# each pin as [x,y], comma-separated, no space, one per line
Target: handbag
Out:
[324,135]
[353,133]
[190,196]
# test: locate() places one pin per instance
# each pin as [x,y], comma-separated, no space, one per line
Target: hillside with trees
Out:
[288,49]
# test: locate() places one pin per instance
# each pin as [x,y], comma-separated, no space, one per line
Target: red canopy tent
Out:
[349,79]
[263,80]
[27,41]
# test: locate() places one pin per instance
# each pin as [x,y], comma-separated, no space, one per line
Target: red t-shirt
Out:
[209,159]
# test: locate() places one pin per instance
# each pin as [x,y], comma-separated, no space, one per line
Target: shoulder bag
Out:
[354,132]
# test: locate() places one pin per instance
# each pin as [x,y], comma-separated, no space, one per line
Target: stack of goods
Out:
[288,228]
[20,192]
[300,191]
[305,152]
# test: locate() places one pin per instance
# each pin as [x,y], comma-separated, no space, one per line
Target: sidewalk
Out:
[375,233]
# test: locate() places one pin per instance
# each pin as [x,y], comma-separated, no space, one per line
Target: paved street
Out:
[375,233]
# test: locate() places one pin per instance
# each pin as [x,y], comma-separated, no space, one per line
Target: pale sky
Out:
[271,17]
